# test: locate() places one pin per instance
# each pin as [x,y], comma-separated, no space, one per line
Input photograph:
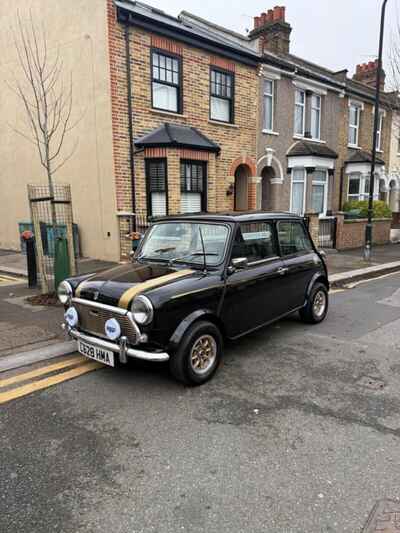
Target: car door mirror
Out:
[322,253]
[238,263]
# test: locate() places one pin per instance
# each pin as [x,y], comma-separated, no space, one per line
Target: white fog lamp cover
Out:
[71,317]
[112,329]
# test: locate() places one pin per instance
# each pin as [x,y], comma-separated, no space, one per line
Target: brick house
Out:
[309,155]
[189,88]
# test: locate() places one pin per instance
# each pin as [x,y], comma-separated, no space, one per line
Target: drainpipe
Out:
[130,120]
[341,188]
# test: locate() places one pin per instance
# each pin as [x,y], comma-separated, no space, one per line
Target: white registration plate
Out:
[98,354]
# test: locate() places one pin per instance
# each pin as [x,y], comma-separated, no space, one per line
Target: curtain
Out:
[220,109]
[165,97]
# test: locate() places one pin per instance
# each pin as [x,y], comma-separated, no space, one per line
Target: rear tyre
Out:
[199,354]
[316,309]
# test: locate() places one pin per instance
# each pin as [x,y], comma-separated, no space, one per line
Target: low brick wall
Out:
[351,233]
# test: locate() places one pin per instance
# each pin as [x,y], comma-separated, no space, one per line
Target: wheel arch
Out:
[196,316]
[319,277]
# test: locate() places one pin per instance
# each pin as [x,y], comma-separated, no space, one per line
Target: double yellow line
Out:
[81,366]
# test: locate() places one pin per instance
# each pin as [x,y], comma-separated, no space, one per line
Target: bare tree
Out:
[47,99]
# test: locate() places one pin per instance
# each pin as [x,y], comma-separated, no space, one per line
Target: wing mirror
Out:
[238,263]
[322,253]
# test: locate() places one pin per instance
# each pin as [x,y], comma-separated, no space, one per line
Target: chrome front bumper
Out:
[121,348]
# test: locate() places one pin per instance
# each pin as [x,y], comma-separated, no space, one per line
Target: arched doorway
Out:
[382,191]
[242,174]
[394,197]
[267,174]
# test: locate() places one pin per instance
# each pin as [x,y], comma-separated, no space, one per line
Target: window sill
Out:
[302,138]
[379,151]
[226,124]
[269,132]
[167,113]
[354,147]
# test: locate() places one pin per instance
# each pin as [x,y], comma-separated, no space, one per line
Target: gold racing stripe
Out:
[128,295]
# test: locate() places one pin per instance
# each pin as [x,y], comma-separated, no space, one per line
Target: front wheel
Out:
[316,309]
[199,354]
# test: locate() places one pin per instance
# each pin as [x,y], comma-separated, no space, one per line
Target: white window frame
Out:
[304,181]
[379,132]
[326,189]
[319,111]
[362,194]
[356,126]
[272,97]
[303,106]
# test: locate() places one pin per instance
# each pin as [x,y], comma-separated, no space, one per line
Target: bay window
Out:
[166,82]
[299,112]
[156,177]
[193,186]
[319,195]
[358,187]
[221,95]
[268,105]
[298,191]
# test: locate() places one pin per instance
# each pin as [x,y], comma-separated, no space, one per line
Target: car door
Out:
[252,293]
[298,257]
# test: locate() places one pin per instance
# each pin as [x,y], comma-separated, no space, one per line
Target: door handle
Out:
[282,271]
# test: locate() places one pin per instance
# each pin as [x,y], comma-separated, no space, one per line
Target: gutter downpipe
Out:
[130,121]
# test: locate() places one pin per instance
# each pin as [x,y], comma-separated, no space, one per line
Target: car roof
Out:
[233,216]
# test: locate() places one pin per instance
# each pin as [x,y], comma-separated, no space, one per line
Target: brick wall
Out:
[351,233]
[237,141]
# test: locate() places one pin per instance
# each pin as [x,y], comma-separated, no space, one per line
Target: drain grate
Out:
[369,382]
[384,518]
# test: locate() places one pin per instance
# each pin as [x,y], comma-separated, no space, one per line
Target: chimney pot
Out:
[270,15]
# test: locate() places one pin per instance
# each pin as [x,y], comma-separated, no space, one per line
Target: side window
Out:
[293,238]
[255,241]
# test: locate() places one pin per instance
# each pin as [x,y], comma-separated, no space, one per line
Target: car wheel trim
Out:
[319,304]
[203,354]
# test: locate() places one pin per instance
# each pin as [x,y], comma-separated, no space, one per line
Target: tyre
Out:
[199,354]
[316,309]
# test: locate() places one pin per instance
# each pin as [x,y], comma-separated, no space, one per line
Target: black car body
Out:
[244,270]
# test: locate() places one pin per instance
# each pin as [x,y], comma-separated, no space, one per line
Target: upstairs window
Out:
[354,124]
[299,112]
[268,105]
[221,95]
[166,82]
[315,116]
[156,174]
[379,132]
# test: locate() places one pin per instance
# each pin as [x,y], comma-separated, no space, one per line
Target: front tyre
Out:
[316,309]
[199,354]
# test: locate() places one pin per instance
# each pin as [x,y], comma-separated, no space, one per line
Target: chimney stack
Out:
[366,73]
[272,30]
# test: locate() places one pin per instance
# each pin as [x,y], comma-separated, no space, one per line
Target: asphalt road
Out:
[299,432]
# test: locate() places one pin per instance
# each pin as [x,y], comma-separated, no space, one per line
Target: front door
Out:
[252,295]
[299,259]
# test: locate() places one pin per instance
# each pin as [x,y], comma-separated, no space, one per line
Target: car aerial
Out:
[195,281]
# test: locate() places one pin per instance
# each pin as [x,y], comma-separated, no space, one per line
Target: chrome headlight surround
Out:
[64,292]
[142,310]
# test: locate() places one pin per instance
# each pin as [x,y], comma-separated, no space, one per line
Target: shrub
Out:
[381,209]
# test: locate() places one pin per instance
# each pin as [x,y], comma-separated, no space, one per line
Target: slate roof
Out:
[360,156]
[307,148]
[176,136]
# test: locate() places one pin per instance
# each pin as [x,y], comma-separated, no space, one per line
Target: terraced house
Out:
[183,112]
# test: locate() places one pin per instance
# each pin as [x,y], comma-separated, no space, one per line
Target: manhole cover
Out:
[385,518]
[371,383]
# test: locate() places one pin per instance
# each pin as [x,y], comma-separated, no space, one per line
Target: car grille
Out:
[92,320]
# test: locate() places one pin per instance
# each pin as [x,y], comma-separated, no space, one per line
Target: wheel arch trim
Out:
[187,322]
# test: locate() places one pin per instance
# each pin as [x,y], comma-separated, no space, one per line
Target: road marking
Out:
[335,291]
[48,382]
[41,371]
[8,280]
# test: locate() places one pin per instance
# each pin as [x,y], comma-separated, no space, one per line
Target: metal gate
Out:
[327,232]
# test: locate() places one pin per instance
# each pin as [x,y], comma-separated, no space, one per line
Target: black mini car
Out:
[194,281]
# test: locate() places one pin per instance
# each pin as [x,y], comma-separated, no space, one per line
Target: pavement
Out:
[297,432]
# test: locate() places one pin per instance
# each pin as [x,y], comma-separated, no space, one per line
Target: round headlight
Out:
[142,310]
[64,292]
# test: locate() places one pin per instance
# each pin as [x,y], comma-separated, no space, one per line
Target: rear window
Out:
[293,238]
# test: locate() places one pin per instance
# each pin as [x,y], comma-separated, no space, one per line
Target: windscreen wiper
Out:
[194,254]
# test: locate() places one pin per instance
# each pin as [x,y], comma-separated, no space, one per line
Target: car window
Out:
[293,238]
[255,241]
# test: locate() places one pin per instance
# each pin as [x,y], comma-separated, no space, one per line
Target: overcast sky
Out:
[334,33]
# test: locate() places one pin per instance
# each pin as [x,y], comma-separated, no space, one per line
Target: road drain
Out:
[385,517]
[371,383]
